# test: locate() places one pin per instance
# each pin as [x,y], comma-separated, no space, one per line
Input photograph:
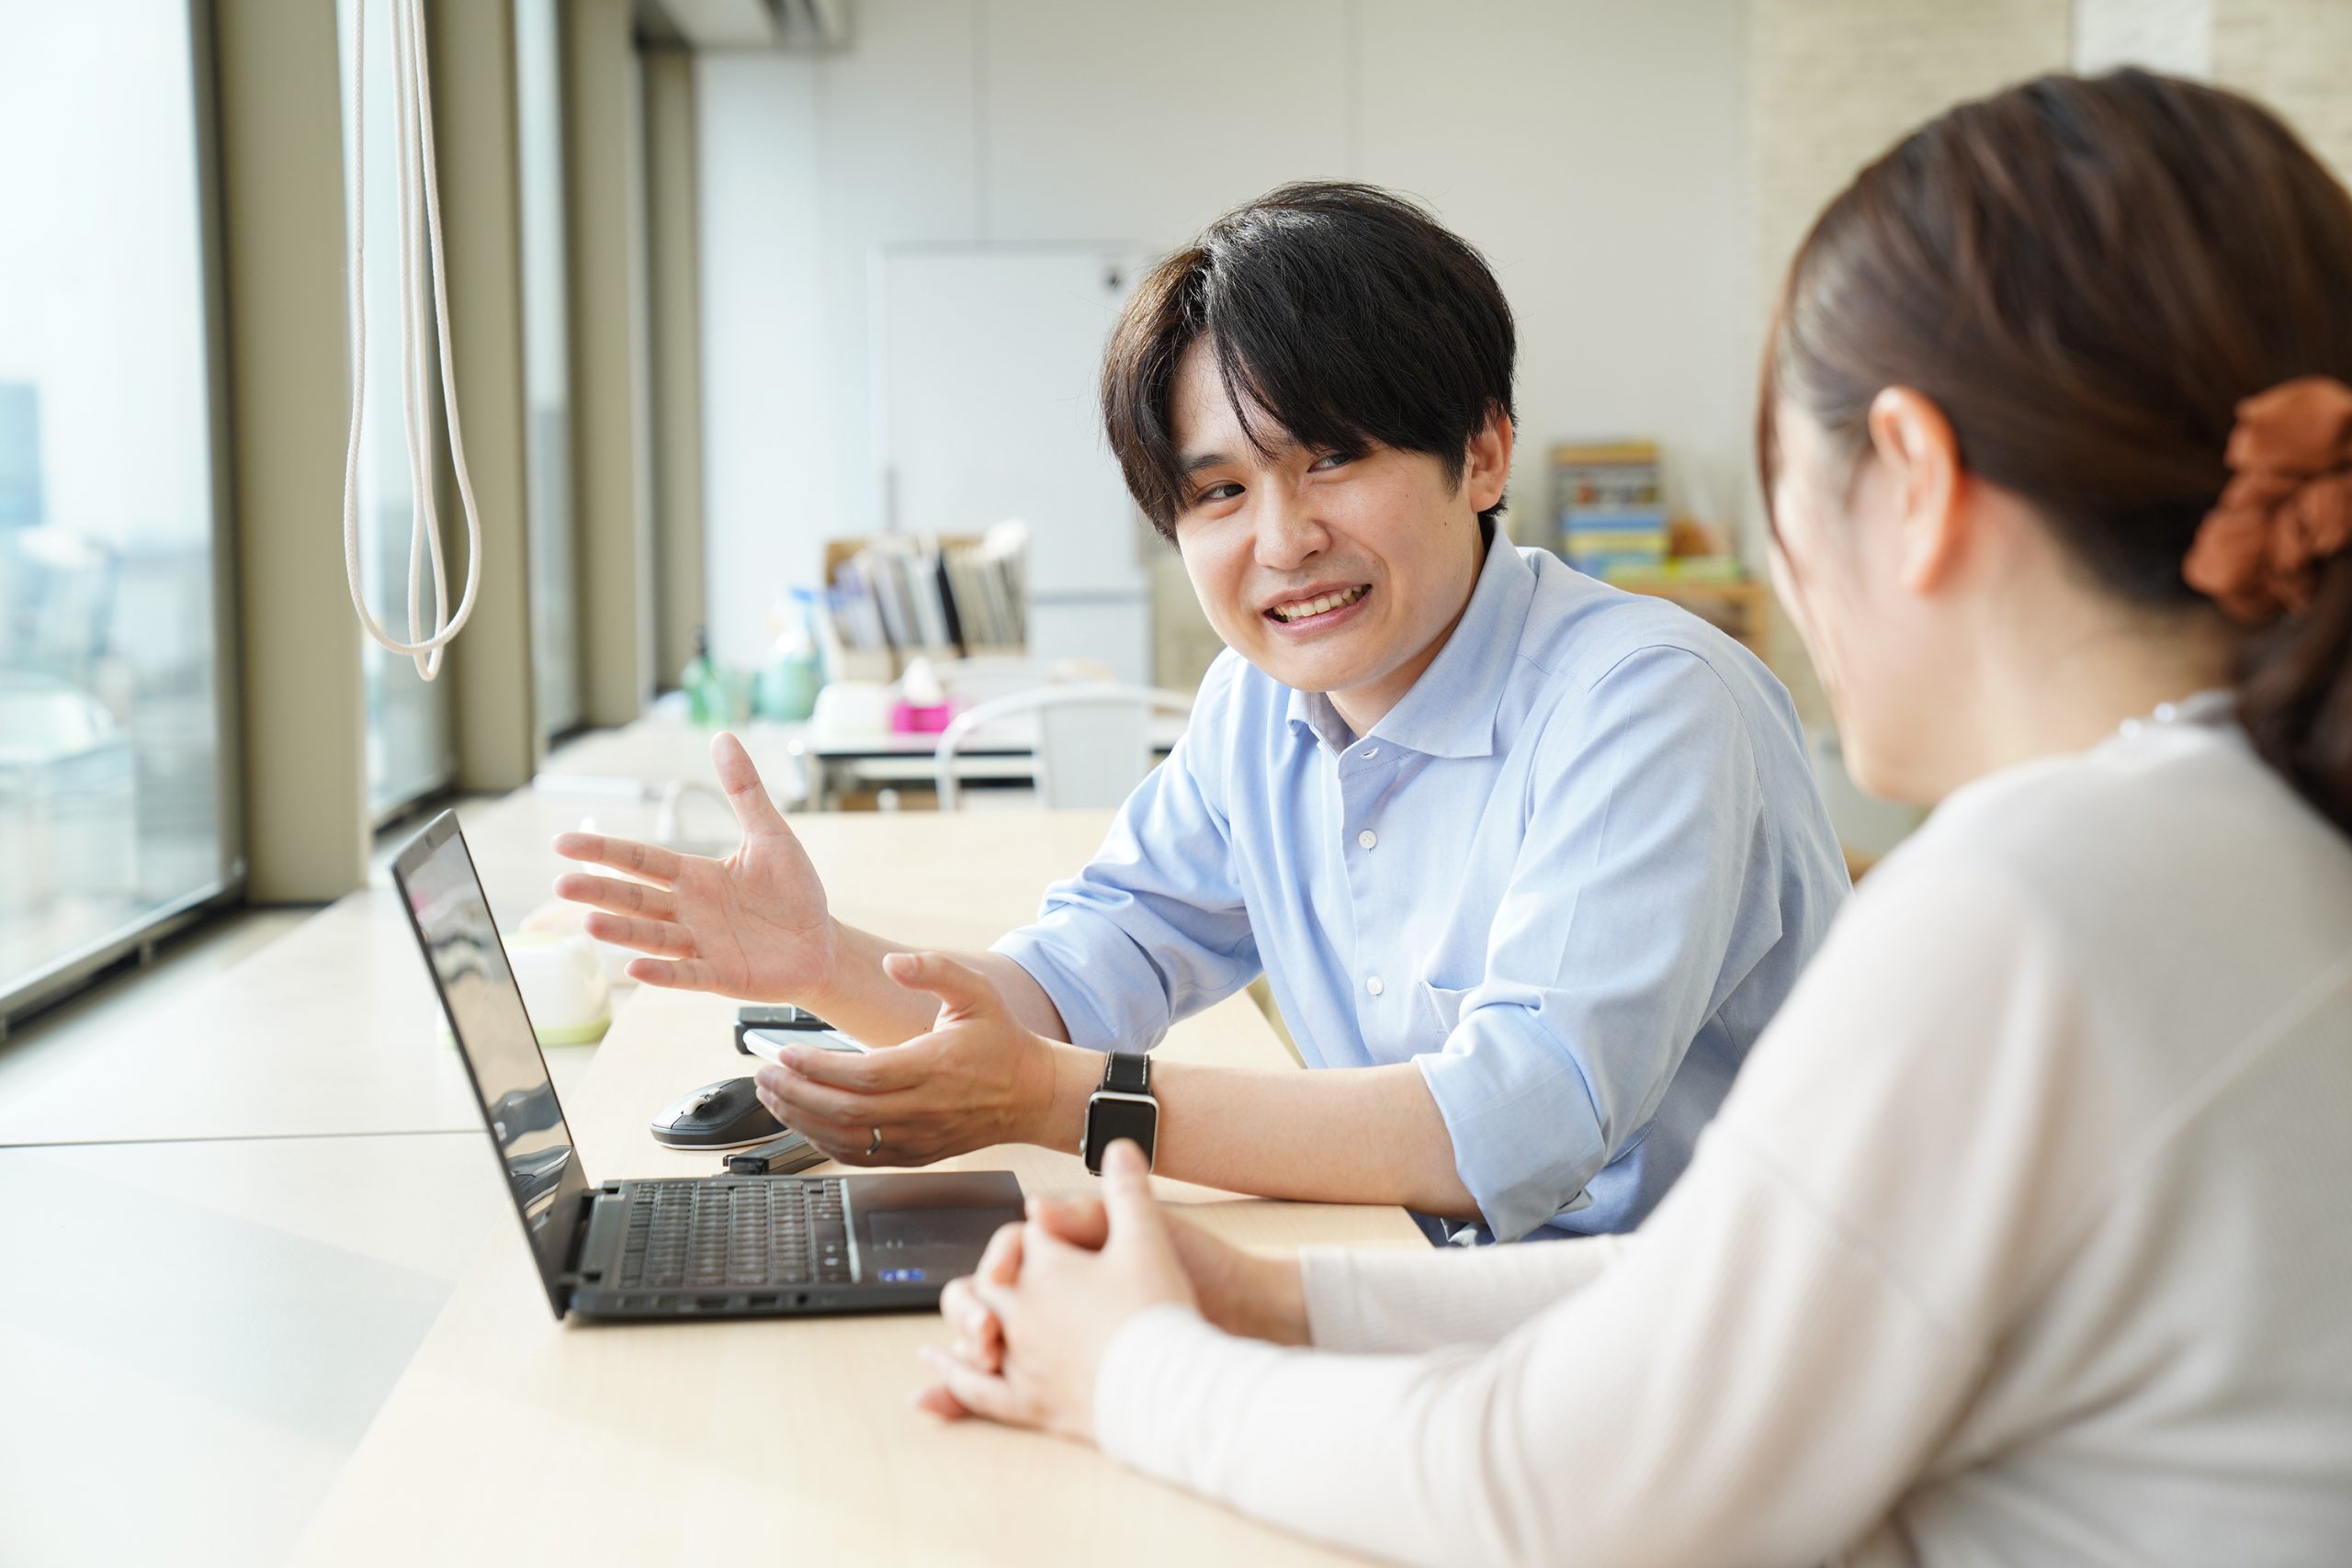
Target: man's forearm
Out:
[1341,1135]
[864,1001]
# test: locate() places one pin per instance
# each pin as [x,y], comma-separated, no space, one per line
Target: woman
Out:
[2026,1234]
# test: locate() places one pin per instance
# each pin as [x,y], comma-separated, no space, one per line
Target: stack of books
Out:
[1609,506]
[910,593]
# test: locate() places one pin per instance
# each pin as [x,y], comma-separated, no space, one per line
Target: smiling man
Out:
[1528,861]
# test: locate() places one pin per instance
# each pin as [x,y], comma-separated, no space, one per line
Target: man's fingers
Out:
[685,975]
[835,1140]
[650,862]
[753,806]
[658,939]
[806,1102]
[962,990]
[866,1072]
[620,898]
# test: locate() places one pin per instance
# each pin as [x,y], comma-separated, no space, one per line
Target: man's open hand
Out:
[753,925]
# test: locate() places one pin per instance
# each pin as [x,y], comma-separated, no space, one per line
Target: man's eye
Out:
[1332,460]
[1224,491]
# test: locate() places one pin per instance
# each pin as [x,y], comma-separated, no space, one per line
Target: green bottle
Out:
[705,697]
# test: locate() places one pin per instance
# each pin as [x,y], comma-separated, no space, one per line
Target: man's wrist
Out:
[1060,1119]
[823,995]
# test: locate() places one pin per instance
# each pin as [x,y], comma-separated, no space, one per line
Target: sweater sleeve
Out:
[1412,1300]
[1748,1388]
[1764,1369]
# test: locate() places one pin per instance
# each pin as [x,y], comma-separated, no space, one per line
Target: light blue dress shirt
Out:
[1571,874]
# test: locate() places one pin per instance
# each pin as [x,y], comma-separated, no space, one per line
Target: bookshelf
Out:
[895,596]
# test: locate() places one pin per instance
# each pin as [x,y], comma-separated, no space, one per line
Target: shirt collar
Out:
[1451,710]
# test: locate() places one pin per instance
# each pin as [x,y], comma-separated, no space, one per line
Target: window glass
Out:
[112,671]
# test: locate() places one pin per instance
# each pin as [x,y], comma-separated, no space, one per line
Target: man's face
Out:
[1331,571]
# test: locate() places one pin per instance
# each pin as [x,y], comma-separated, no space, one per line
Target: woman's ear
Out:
[1914,444]
[1486,466]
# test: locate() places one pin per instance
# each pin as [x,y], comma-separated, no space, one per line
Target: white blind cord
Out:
[420,201]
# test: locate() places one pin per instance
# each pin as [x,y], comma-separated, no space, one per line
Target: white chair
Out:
[1093,741]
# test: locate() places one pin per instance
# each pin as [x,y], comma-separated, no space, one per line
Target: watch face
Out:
[1109,1117]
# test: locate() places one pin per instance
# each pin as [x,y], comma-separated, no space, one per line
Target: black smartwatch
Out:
[1121,1108]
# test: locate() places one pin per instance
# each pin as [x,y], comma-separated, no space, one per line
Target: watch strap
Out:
[1128,1072]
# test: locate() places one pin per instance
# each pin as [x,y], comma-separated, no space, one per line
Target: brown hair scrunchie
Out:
[2288,506]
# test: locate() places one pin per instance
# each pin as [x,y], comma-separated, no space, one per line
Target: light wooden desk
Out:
[514,1439]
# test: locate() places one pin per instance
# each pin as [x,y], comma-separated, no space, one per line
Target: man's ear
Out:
[1914,441]
[1486,466]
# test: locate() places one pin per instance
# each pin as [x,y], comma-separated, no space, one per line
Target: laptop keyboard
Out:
[766,1231]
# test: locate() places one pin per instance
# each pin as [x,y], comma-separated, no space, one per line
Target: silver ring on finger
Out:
[876,1147]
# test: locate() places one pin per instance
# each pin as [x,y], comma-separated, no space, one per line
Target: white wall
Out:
[1590,148]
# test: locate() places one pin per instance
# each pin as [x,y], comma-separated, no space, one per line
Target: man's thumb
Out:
[755,808]
[963,990]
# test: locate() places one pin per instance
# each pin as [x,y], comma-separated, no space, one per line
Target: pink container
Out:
[906,718]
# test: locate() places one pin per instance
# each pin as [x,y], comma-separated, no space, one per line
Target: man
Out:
[1533,859]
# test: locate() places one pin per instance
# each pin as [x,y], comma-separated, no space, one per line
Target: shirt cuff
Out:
[1131,1421]
[1086,966]
[1526,1138]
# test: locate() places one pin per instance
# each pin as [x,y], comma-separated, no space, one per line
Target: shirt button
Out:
[1367,837]
[1371,984]
[1369,751]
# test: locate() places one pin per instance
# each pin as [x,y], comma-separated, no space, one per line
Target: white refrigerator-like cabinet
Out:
[988,361]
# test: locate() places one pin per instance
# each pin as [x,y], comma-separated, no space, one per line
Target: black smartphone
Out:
[766,1016]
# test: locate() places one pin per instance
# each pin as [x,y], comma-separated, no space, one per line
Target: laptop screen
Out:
[445,903]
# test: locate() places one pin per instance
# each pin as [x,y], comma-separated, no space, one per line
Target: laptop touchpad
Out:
[964,1231]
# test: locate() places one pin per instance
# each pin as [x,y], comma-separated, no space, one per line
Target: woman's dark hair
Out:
[2087,275]
[1344,313]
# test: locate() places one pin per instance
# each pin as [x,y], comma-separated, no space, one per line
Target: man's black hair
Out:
[1343,312]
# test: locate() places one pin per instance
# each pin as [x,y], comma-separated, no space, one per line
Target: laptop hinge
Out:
[602,1220]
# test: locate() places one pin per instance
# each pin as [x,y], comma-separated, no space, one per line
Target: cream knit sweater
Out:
[2024,1237]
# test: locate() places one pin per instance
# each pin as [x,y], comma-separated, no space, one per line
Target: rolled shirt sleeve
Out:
[1154,929]
[1626,924]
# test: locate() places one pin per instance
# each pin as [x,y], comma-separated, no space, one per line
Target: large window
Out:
[547,366]
[409,747]
[112,670]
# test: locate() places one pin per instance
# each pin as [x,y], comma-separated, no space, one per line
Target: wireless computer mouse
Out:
[723,1115]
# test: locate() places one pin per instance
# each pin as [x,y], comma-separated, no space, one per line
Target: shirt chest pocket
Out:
[1436,1011]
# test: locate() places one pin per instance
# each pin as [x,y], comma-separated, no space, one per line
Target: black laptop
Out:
[714,1247]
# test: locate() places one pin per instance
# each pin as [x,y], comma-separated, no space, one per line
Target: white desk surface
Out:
[514,1438]
[307,1264]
